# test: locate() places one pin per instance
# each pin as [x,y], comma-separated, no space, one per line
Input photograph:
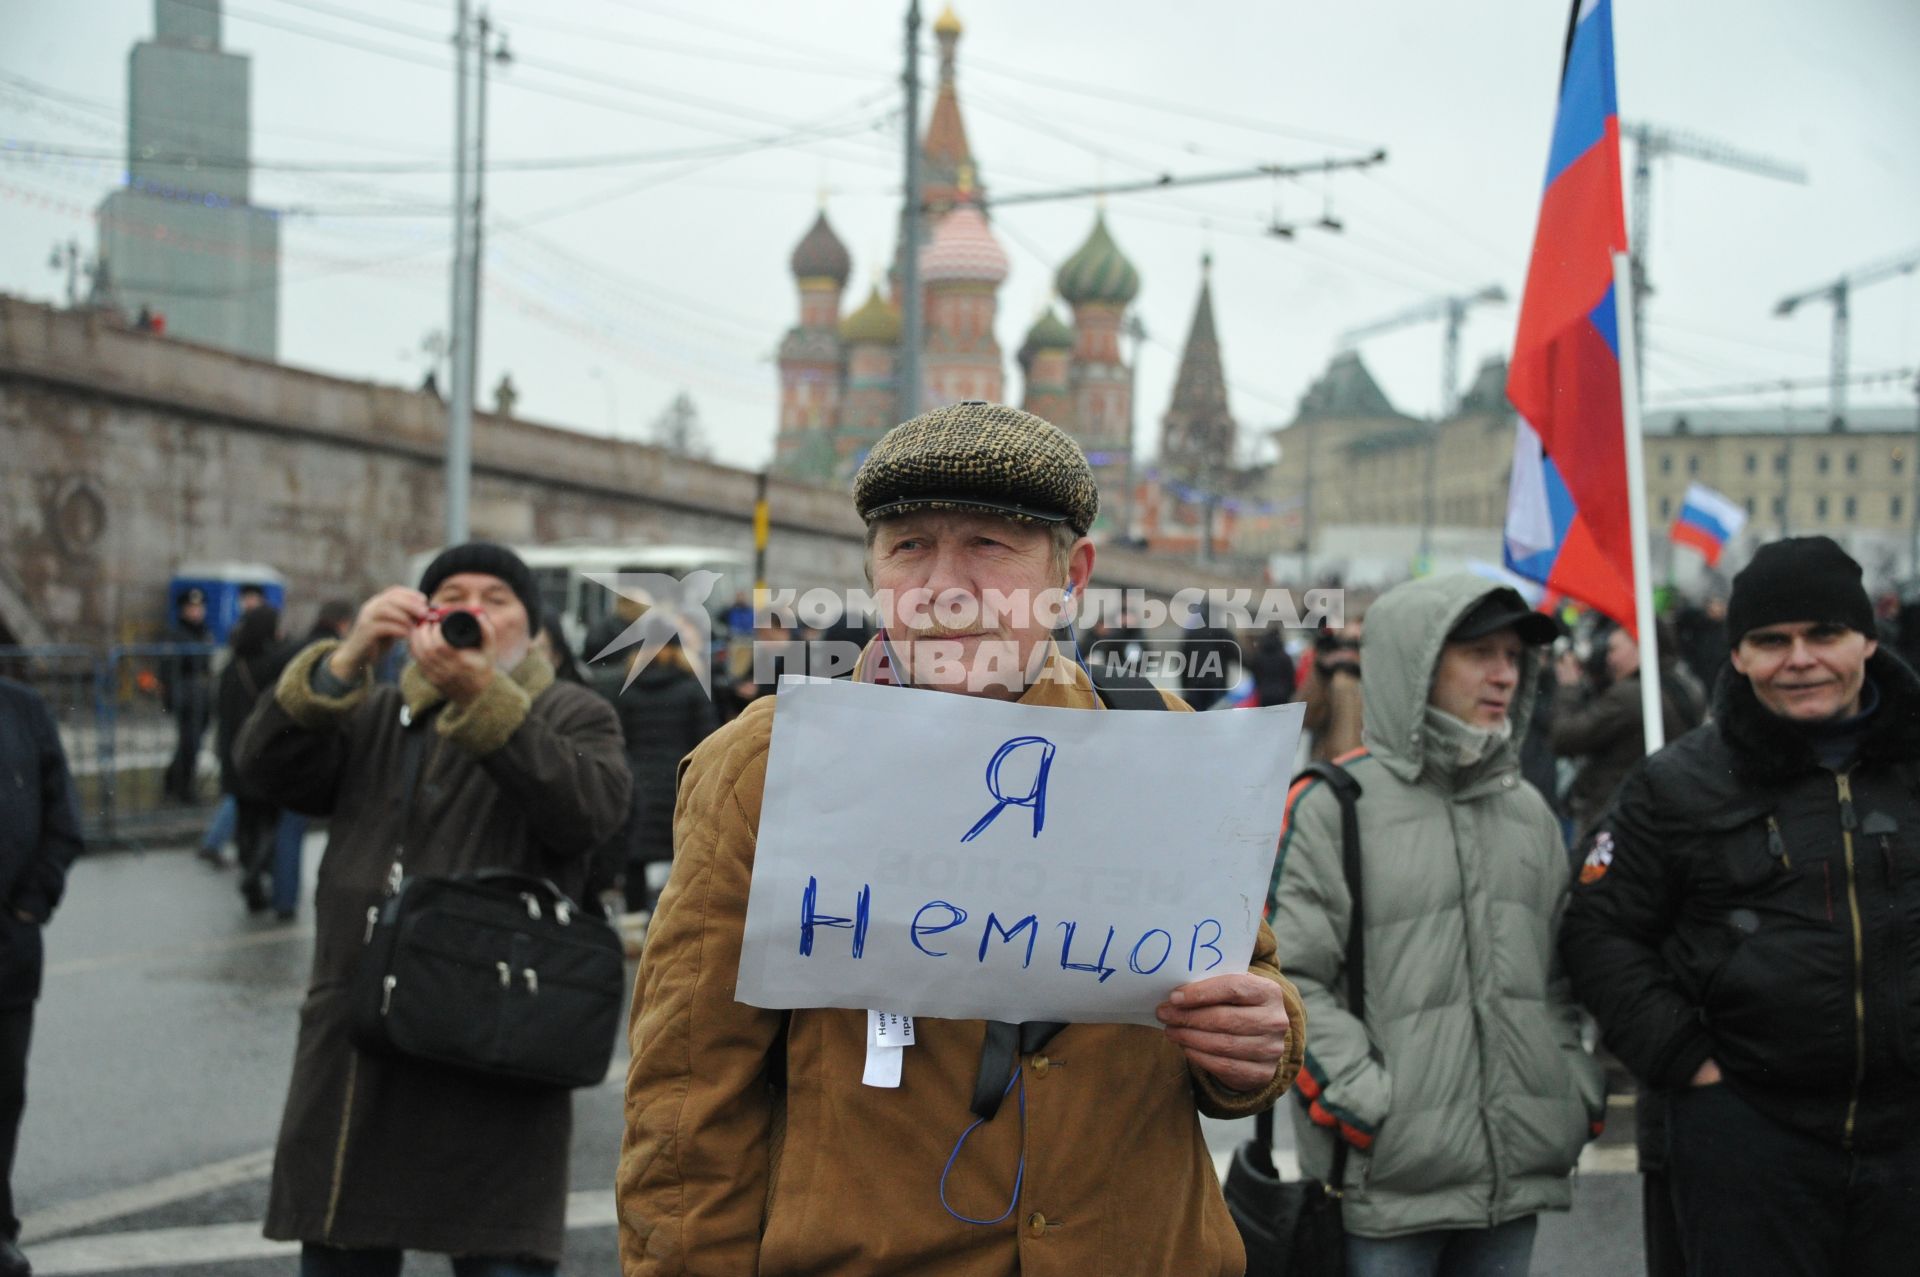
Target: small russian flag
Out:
[1707,521]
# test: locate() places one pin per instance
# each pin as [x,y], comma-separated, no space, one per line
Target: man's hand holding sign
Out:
[1233,1026]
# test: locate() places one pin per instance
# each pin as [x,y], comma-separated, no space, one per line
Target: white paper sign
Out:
[953,856]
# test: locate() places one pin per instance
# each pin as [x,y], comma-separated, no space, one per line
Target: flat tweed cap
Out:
[978,456]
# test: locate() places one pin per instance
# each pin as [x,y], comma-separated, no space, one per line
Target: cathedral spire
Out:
[947,151]
[1197,432]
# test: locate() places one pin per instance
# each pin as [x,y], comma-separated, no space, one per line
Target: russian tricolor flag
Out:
[1707,521]
[1567,520]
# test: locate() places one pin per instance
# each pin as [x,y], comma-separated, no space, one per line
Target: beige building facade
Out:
[1350,461]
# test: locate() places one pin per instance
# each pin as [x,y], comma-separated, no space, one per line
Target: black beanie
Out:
[491,560]
[1799,579]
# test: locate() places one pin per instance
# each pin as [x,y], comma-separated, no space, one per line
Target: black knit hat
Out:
[1799,579]
[979,456]
[491,560]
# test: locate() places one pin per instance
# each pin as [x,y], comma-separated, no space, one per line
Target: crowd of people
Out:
[1736,918]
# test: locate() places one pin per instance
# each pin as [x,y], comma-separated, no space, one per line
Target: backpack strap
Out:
[1346,791]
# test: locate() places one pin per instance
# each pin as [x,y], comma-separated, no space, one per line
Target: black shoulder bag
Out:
[493,972]
[1293,1228]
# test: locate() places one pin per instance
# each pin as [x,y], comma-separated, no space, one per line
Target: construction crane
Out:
[1652,142]
[1454,311]
[1838,293]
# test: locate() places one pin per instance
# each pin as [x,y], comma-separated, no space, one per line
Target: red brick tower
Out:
[810,354]
[1046,358]
[871,394]
[1098,282]
[962,269]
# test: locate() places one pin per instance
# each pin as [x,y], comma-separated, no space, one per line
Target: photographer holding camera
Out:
[379,1154]
[1332,692]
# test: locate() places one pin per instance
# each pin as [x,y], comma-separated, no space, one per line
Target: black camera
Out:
[458,626]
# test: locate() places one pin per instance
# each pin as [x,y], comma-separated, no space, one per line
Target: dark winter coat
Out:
[1741,902]
[1703,644]
[663,715]
[1604,730]
[1272,669]
[241,684]
[186,676]
[1206,650]
[39,835]
[385,1152]
[1538,765]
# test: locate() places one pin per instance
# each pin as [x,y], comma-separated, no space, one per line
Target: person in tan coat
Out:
[752,1146]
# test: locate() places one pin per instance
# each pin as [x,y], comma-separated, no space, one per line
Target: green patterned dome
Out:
[1099,272]
[877,320]
[1048,333]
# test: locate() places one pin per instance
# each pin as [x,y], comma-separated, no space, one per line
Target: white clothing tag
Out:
[889,1028]
[889,1034]
[883,1065]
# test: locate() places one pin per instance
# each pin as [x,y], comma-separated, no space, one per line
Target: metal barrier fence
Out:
[137,724]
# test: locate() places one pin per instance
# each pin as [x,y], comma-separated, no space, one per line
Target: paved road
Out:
[160,1059]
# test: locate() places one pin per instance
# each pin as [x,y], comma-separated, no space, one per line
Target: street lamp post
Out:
[470,165]
[1913,549]
[1137,331]
[910,304]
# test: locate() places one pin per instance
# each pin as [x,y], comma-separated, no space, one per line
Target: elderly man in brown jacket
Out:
[382,1154]
[752,1145]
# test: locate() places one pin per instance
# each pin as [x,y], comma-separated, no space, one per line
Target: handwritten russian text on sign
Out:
[951,856]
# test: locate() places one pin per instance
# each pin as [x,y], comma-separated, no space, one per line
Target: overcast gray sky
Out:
[613,285]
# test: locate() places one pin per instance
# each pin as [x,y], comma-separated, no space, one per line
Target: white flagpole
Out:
[1637,503]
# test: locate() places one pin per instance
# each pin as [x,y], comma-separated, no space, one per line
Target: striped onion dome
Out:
[963,250]
[821,255]
[876,321]
[1049,332]
[1098,272]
